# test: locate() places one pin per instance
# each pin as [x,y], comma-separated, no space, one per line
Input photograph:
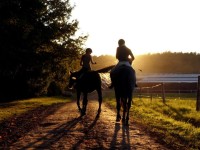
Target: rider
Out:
[86,59]
[124,56]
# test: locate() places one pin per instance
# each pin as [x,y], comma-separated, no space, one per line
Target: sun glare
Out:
[147,26]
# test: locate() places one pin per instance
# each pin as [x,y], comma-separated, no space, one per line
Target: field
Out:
[176,120]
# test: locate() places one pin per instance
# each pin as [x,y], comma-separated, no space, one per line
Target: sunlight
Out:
[147,26]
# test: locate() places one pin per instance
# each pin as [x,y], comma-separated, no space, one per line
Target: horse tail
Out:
[106,69]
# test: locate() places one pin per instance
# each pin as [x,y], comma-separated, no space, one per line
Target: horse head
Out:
[72,79]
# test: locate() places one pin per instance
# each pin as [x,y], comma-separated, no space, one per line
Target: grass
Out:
[18,107]
[176,121]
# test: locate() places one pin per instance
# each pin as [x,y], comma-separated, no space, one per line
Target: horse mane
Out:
[106,69]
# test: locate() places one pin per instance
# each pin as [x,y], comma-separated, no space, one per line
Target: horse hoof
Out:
[126,123]
[99,111]
[97,116]
[83,114]
[123,120]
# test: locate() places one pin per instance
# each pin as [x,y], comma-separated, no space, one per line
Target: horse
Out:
[124,82]
[86,83]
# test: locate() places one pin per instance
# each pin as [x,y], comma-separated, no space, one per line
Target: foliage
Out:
[37,43]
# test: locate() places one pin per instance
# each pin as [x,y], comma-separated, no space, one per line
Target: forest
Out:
[38,46]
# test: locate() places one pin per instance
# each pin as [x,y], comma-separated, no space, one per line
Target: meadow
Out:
[176,121]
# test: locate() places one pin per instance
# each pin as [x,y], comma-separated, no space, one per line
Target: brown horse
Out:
[86,83]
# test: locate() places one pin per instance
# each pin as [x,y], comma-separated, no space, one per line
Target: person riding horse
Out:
[123,80]
[125,58]
[85,81]
[86,59]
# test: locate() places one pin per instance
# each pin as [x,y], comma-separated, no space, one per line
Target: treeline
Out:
[166,62]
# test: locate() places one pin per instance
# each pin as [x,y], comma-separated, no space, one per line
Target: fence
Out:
[164,89]
[198,95]
[149,91]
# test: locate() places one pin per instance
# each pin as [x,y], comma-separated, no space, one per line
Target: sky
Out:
[147,26]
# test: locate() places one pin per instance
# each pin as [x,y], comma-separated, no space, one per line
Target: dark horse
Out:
[86,83]
[124,83]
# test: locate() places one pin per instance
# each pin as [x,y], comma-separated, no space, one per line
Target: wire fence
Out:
[159,91]
[149,92]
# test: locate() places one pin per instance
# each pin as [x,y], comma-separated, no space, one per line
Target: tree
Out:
[37,42]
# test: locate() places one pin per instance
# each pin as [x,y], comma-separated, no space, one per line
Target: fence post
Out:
[140,95]
[198,95]
[163,92]
[151,94]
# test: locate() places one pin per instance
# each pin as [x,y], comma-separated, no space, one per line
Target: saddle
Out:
[116,74]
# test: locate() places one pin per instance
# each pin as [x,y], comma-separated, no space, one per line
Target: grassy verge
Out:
[176,121]
[21,106]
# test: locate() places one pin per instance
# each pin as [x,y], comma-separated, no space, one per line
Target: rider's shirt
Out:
[123,53]
[86,61]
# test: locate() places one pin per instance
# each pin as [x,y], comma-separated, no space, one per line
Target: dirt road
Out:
[65,129]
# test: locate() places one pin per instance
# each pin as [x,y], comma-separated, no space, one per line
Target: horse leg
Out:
[99,99]
[124,101]
[78,100]
[128,109]
[85,101]
[118,109]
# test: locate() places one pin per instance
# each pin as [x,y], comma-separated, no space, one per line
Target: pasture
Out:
[176,121]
